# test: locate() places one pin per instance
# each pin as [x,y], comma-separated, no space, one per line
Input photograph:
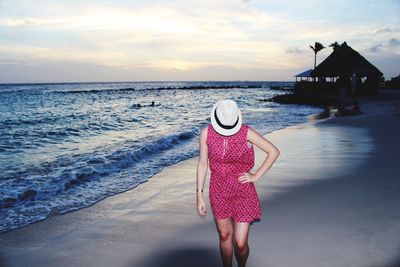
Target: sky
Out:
[183,40]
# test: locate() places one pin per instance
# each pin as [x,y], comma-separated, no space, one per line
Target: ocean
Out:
[66,146]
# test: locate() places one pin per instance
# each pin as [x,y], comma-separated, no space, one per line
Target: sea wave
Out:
[68,172]
[68,176]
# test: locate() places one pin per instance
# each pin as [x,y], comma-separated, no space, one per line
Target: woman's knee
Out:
[225,229]
[241,244]
[225,235]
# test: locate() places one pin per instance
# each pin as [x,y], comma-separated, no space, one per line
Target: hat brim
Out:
[218,128]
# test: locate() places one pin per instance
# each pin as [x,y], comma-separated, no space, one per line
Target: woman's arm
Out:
[273,153]
[202,167]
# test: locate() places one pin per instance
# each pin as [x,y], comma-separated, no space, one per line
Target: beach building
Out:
[343,72]
[304,76]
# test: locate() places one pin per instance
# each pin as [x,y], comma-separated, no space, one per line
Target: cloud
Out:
[394,42]
[29,21]
[295,50]
[376,48]
[387,30]
[181,36]
[157,35]
[31,55]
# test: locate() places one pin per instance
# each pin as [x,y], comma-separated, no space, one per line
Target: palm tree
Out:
[335,45]
[316,48]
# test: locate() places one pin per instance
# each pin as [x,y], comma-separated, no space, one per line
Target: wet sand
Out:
[332,199]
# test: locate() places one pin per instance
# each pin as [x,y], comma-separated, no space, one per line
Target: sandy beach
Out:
[332,199]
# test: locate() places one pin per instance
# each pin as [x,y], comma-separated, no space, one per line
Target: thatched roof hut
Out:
[343,61]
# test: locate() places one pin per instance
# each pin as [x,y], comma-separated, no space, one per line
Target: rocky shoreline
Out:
[305,99]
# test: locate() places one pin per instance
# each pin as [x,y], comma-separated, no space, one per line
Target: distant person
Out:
[356,84]
[152,104]
[226,145]
[136,106]
[344,85]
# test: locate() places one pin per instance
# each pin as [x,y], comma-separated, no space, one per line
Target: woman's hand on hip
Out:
[201,206]
[247,177]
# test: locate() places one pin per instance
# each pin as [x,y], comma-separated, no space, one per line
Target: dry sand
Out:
[332,199]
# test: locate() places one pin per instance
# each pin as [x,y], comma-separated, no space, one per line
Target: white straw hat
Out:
[226,117]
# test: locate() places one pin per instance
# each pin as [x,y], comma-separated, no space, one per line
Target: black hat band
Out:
[222,125]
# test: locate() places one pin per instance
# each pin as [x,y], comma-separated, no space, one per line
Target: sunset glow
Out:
[187,40]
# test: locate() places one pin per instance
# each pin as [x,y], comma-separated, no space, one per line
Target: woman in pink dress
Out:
[226,146]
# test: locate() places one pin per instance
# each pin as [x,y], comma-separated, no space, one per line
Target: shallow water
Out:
[67,146]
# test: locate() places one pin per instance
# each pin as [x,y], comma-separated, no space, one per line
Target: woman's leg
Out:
[225,231]
[241,235]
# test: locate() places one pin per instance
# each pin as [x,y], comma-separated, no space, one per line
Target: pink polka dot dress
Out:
[229,157]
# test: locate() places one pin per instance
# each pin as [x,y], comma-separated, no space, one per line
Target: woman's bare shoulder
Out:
[251,133]
[203,132]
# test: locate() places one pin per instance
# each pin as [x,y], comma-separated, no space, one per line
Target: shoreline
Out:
[122,230]
[71,158]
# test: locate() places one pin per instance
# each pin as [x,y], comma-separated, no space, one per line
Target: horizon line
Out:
[148,81]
